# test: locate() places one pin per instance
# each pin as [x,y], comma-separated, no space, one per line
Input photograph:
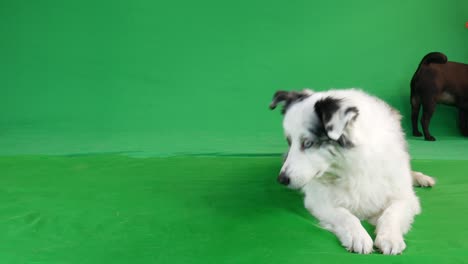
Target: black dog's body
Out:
[438,81]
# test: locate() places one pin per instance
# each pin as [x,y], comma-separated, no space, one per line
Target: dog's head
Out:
[318,130]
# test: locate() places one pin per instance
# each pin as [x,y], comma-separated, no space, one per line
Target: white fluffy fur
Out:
[370,181]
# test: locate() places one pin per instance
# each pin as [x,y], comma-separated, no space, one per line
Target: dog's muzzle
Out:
[283,178]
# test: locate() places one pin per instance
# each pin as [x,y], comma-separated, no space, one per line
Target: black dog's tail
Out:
[433,57]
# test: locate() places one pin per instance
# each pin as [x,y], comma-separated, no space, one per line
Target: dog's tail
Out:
[421,180]
[432,57]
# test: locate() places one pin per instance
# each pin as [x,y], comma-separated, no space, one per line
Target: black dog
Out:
[439,81]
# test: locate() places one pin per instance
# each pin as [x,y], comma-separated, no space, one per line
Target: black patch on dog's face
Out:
[318,131]
[326,107]
[321,136]
[288,98]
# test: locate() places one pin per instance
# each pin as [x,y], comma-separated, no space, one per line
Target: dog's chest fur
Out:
[360,194]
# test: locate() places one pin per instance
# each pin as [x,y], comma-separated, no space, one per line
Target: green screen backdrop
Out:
[139,131]
[165,77]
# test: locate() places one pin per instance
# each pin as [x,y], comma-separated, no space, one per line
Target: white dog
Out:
[348,155]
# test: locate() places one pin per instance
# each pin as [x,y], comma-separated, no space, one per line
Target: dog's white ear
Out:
[334,116]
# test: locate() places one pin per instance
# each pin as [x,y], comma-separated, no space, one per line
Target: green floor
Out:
[120,209]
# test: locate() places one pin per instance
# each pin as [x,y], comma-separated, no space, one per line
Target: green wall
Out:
[165,77]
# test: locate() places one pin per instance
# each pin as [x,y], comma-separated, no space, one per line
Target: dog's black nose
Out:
[283,178]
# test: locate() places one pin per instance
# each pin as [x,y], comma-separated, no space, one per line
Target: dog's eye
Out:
[289,141]
[307,144]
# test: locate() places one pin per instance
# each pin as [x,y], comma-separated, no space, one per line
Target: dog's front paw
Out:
[390,244]
[422,180]
[357,241]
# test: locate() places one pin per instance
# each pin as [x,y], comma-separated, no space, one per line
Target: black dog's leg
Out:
[415,106]
[428,109]
[463,122]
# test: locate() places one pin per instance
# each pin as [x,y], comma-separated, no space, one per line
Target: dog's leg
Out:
[422,180]
[343,224]
[415,107]
[428,109]
[463,122]
[394,222]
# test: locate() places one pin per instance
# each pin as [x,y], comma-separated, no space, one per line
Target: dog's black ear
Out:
[278,97]
[335,117]
[288,97]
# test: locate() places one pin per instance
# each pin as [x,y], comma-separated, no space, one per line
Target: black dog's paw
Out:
[430,138]
[417,134]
